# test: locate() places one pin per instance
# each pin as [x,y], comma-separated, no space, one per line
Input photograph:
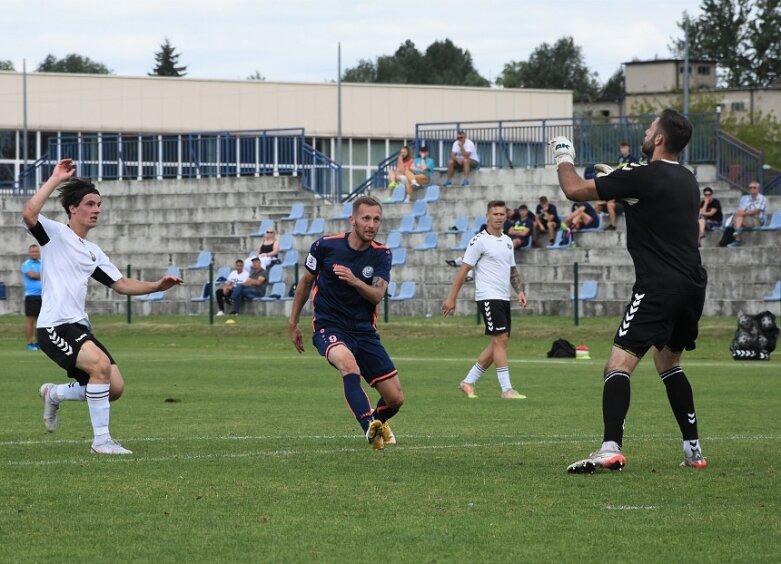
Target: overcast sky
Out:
[297,40]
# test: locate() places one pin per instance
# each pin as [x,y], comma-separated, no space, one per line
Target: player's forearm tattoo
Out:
[376,281]
[515,280]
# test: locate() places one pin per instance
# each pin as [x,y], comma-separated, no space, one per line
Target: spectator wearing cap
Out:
[419,173]
[463,157]
[254,287]
[711,216]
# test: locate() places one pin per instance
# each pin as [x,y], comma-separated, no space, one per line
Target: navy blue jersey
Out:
[590,211]
[335,303]
[661,203]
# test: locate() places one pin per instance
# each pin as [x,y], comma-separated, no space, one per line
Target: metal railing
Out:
[736,162]
[523,143]
[269,152]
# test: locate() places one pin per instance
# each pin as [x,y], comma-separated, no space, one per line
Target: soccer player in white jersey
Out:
[661,205]
[492,256]
[64,332]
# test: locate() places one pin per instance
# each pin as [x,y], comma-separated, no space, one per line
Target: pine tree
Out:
[167,60]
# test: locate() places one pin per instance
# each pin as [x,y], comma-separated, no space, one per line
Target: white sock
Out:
[69,392]
[611,446]
[690,447]
[503,374]
[474,374]
[99,408]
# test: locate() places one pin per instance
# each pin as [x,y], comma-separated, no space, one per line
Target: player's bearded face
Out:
[366,223]
[648,143]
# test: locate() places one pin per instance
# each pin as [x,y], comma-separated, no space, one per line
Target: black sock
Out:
[357,400]
[383,412]
[681,398]
[615,405]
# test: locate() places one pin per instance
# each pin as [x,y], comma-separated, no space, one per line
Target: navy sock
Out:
[357,400]
[615,405]
[383,412]
[681,398]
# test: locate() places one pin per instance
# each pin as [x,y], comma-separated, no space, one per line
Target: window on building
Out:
[703,71]
[738,106]
[7,144]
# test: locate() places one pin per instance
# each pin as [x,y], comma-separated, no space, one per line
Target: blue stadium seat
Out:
[347,211]
[204,295]
[275,291]
[407,224]
[406,292]
[589,290]
[461,223]
[399,257]
[391,291]
[285,242]
[203,261]
[300,226]
[174,271]
[774,222]
[261,232]
[557,243]
[394,240]
[775,296]
[296,212]
[275,274]
[430,242]
[477,224]
[425,223]
[397,195]
[222,274]
[432,193]
[290,260]
[419,208]
[464,242]
[317,227]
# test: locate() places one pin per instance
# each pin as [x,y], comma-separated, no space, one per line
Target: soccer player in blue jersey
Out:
[350,274]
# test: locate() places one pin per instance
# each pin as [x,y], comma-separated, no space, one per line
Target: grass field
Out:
[259,460]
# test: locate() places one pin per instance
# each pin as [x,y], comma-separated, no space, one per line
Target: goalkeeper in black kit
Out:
[661,202]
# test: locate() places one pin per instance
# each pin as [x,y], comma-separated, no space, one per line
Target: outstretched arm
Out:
[133,287]
[62,171]
[517,284]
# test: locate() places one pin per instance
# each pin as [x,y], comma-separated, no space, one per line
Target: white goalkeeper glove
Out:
[603,169]
[563,151]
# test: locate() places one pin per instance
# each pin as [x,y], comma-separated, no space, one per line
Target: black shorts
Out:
[63,343]
[497,316]
[660,320]
[32,306]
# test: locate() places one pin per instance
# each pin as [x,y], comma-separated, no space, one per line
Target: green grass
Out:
[259,459]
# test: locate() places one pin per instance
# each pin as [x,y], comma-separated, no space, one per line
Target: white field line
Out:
[533,441]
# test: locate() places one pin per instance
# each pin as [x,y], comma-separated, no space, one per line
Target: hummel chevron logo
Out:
[59,342]
[630,314]
[691,417]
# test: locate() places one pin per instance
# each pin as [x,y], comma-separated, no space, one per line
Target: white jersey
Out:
[492,258]
[469,147]
[236,277]
[67,264]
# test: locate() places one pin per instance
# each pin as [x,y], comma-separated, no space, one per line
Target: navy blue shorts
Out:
[660,320]
[371,356]
[63,343]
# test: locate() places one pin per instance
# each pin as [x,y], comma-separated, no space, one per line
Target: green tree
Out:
[559,66]
[364,71]
[742,36]
[615,87]
[443,63]
[167,61]
[72,63]
[256,76]
[6,65]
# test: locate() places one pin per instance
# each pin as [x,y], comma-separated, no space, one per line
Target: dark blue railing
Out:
[194,155]
[738,163]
